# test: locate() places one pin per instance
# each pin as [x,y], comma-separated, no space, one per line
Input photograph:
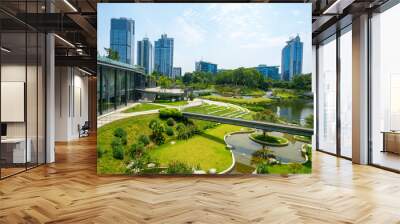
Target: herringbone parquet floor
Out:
[69,191]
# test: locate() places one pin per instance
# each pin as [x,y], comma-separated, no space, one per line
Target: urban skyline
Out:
[161,59]
[256,38]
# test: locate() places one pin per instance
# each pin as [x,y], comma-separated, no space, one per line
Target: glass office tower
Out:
[292,58]
[145,57]
[203,66]
[122,39]
[164,55]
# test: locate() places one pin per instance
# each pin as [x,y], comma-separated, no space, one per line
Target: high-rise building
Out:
[122,39]
[271,72]
[145,57]
[203,66]
[164,55]
[292,58]
[176,72]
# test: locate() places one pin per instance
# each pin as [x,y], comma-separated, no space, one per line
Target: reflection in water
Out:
[244,148]
[295,111]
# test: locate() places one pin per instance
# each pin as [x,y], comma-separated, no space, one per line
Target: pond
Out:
[243,148]
[295,111]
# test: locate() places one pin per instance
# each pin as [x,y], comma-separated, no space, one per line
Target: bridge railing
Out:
[266,126]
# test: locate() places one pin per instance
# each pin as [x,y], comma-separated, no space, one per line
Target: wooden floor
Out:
[69,191]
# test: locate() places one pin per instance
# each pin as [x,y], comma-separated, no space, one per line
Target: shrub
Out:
[118,152]
[170,113]
[159,139]
[186,131]
[144,139]
[136,150]
[158,129]
[100,152]
[178,168]
[170,122]
[262,168]
[169,131]
[121,133]
[116,142]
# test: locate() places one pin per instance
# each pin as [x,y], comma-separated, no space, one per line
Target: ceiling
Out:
[75,21]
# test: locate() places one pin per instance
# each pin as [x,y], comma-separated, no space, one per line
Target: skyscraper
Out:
[271,72]
[122,39]
[145,55]
[176,72]
[203,66]
[292,58]
[164,55]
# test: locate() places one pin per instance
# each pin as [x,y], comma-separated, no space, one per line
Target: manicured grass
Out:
[288,169]
[238,90]
[170,103]
[285,94]
[305,139]
[142,107]
[240,101]
[207,150]
[216,110]
[138,125]
[134,126]
[269,139]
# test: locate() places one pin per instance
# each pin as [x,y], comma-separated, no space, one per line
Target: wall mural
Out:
[214,89]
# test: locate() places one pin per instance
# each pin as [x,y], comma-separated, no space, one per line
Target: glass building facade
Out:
[292,59]
[117,84]
[164,55]
[271,72]
[145,56]
[122,39]
[203,66]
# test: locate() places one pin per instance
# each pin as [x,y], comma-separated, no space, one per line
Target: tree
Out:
[158,128]
[301,82]
[111,54]
[310,121]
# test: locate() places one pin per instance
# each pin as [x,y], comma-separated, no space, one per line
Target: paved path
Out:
[118,114]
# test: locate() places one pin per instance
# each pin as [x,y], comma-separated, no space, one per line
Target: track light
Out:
[64,40]
[5,49]
[86,72]
[70,5]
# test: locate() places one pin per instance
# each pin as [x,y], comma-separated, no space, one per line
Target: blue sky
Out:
[230,35]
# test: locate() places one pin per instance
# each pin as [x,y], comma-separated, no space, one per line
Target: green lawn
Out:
[133,126]
[192,151]
[238,90]
[216,110]
[207,150]
[142,107]
[270,139]
[286,169]
[240,101]
[170,103]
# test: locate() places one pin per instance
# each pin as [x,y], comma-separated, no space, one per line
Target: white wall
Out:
[71,102]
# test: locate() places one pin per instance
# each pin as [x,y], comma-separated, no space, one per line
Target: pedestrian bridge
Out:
[265,126]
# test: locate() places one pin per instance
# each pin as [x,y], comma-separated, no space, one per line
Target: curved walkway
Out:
[119,114]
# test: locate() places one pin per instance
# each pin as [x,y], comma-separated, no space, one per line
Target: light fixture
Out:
[65,41]
[86,72]
[5,49]
[70,5]
[337,7]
